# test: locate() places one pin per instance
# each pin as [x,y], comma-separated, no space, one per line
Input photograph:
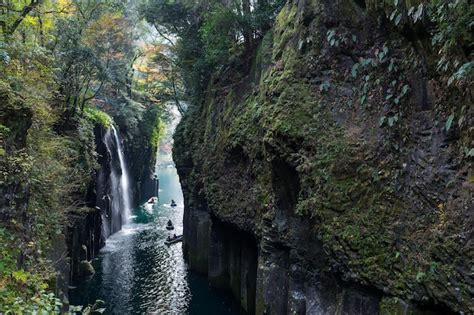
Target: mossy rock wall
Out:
[353,199]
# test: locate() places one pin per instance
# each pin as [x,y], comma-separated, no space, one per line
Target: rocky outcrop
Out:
[84,238]
[308,189]
[147,187]
[84,233]
[140,144]
[103,210]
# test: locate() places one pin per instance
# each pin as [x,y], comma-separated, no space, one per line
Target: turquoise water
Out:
[136,273]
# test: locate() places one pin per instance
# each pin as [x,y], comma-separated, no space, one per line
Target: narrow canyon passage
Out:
[267,157]
[136,273]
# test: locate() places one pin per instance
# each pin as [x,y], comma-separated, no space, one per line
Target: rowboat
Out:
[176,239]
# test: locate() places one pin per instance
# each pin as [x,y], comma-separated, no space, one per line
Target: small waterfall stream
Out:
[118,193]
[125,191]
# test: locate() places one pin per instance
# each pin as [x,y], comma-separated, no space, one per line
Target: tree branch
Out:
[163,35]
[175,94]
[96,92]
[26,10]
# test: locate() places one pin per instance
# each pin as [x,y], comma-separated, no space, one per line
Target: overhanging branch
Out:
[26,10]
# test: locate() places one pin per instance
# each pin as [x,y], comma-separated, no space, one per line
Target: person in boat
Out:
[170,223]
[169,238]
[173,203]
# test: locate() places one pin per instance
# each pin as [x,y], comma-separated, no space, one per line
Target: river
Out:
[136,273]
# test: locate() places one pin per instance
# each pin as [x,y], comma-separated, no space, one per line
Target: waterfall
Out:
[115,193]
[124,180]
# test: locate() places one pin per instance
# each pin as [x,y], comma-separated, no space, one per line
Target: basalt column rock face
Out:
[233,263]
[85,231]
[84,238]
[196,228]
[309,187]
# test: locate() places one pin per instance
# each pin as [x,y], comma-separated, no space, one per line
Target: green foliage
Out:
[264,14]
[469,153]
[97,116]
[94,49]
[149,130]
[175,19]
[464,73]
[451,33]
[128,114]
[156,134]
[22,292]
[420,276]
[143,129]
[209,40]
[449,122]
[59,72]
[396,92]
[88,309]
[335,39]
[45,169]
[218,34]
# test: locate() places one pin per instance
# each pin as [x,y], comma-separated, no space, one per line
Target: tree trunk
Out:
[41,31]
[247,29]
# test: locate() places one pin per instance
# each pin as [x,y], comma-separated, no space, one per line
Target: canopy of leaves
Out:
[209,35]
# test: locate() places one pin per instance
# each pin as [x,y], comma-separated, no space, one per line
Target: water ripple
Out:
[136,273]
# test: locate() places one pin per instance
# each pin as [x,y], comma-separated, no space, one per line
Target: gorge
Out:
[315,155]
[135,271]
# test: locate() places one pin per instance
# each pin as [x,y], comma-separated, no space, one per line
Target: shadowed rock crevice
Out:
[286,185]
[228,256]
[233,263]
[361,3]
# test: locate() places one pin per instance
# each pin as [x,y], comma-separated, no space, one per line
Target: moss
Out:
[262,59]
[284,29]
[393,306]
[352,185]
[97,116]
[156,134]
[86,269]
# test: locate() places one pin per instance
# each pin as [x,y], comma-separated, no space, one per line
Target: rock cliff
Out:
[330,173]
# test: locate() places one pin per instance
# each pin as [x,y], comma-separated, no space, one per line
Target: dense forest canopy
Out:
[209,35]
[67,66]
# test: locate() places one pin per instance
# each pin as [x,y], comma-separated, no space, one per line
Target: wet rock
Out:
[86,269]
[84,238]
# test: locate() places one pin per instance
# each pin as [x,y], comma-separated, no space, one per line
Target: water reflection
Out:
[136,273]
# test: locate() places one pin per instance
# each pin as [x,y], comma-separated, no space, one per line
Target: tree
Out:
[208,35]
[94,49]
[21,13]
